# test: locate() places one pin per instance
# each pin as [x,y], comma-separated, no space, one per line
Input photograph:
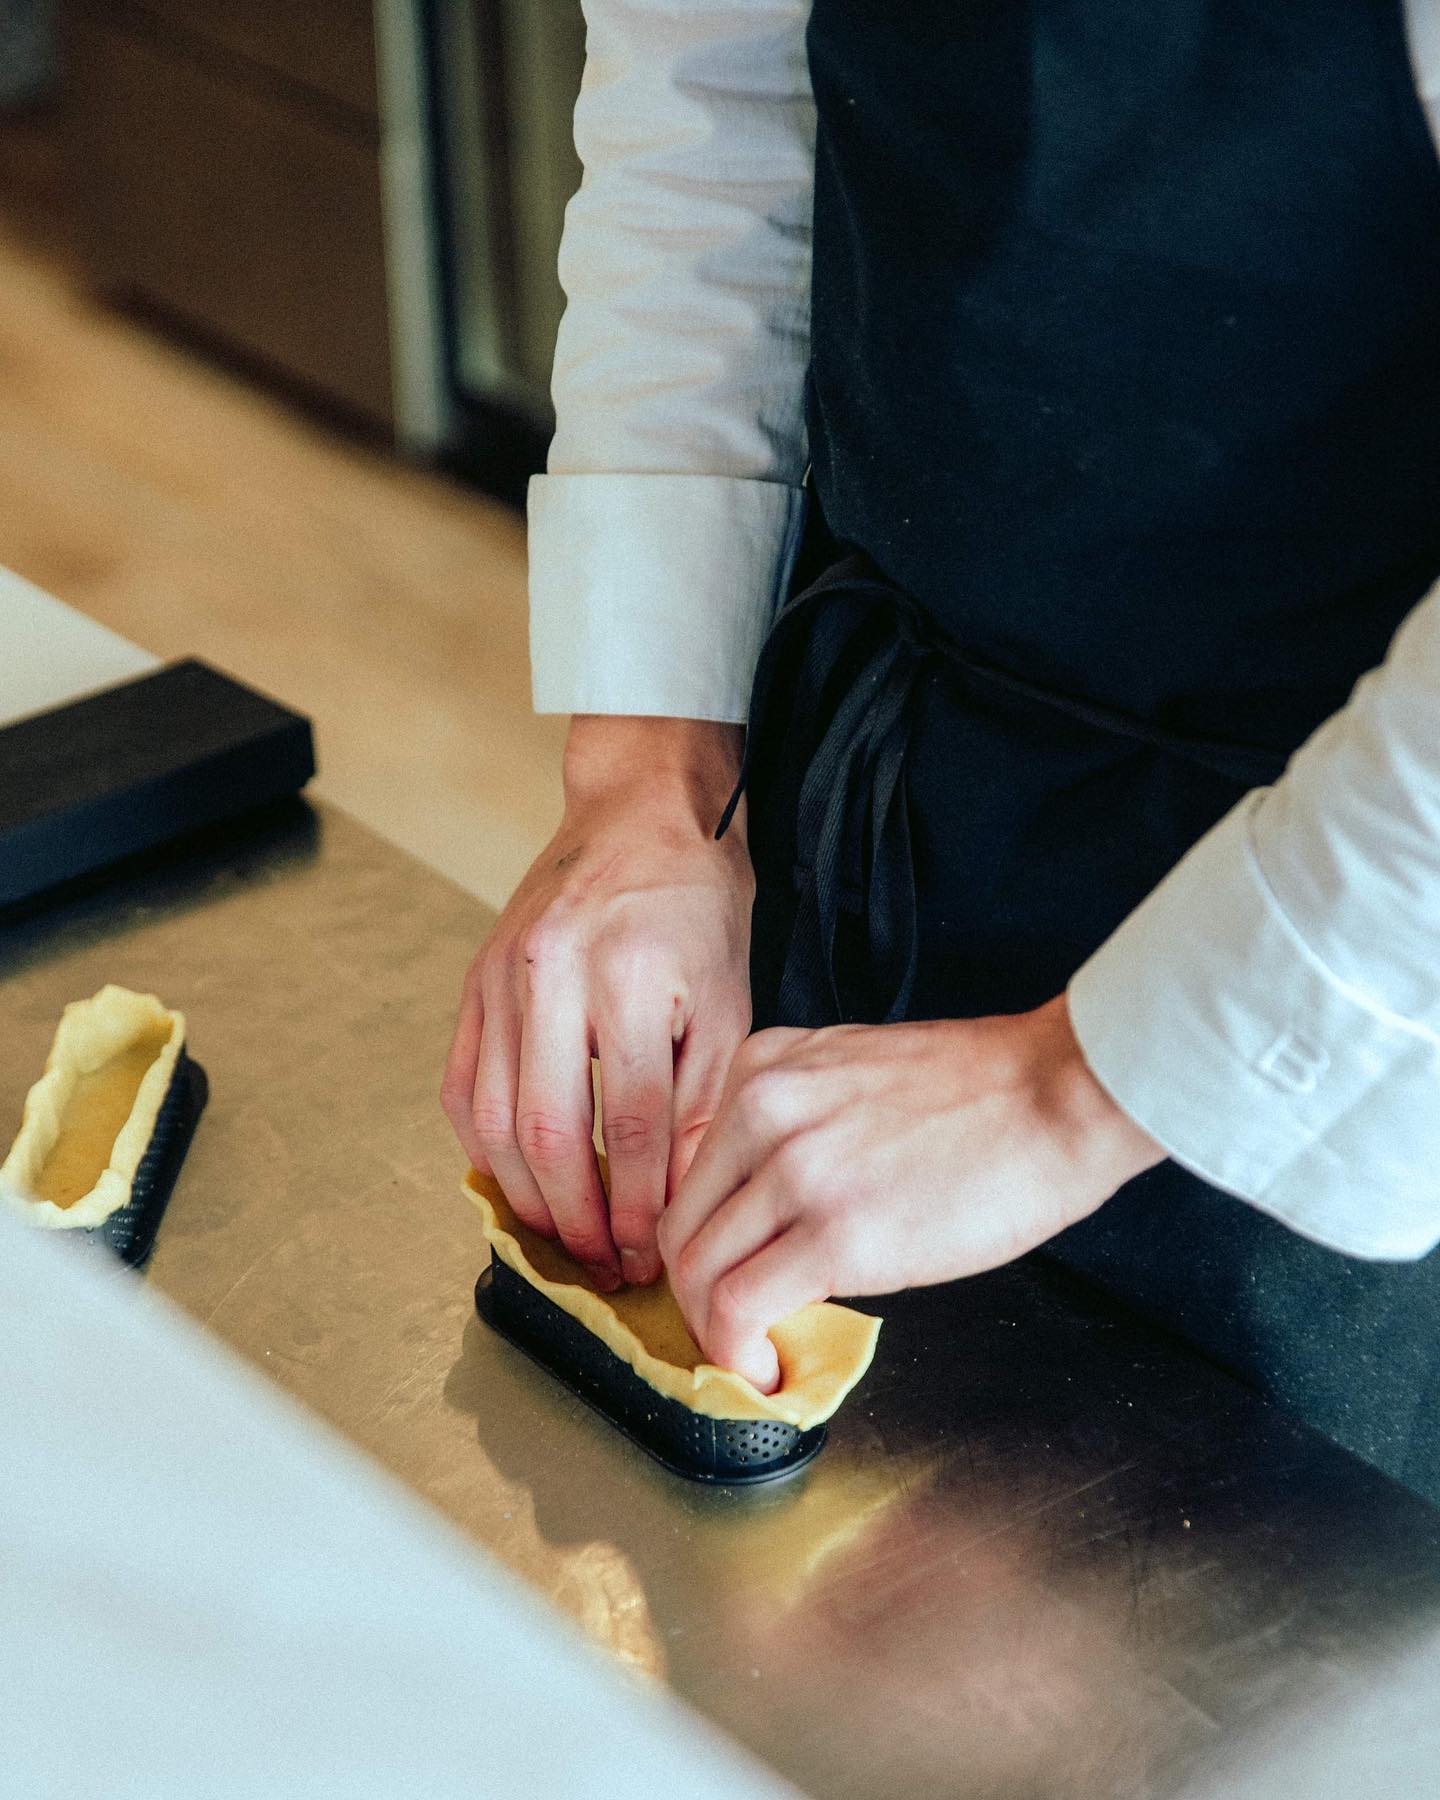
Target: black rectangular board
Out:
[103,778]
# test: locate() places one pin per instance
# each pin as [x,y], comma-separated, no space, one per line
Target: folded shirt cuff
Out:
[652,594]
[1214,1027]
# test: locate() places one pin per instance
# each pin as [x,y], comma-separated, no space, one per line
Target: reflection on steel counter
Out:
[1047,1551]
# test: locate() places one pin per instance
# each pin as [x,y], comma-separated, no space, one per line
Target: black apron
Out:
[1124,410]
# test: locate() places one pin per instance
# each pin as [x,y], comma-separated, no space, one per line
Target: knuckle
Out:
[494,1124]
[547,1140]
[631,1135]
[752,1110]
[542,944]
[763,1101]
[586,1243]
[626,964]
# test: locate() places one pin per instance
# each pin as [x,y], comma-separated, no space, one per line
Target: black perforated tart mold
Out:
[735,1452]
[130,1230]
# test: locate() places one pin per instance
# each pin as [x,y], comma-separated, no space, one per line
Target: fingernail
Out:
[636,1267]
[606,1280]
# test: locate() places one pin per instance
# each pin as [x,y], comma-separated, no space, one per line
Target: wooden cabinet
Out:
[228,158]
[326,46]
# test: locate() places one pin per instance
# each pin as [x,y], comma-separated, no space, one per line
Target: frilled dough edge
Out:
[823,1350]
[90,1033]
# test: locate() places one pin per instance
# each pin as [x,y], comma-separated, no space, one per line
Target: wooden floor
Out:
[197,514]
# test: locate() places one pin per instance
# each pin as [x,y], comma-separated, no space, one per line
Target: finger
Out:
[733,1233]
[757,1111]
[492,1107]
[774,1283]
[702,1067]
[721,1162]
[457,1086]
[555,1121]
[637,1064]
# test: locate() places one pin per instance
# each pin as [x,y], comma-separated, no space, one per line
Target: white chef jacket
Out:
[1271,1013]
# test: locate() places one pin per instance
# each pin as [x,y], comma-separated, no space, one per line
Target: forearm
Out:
[686,253]
[663,533]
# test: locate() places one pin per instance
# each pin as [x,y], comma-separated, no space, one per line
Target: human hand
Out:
[627,940]
[864,1158]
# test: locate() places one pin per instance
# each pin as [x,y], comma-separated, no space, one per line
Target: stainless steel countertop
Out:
[1046,1553]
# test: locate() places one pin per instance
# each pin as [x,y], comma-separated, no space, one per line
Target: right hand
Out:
[627,940]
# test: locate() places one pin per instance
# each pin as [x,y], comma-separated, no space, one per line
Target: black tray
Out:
[735,1452]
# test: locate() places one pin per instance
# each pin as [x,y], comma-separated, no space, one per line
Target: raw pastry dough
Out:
[823,1350]
[89,1119]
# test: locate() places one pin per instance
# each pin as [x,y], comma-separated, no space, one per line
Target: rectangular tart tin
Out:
[732,1452]
[130,1230]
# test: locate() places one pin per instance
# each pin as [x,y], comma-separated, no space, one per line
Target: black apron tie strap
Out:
[853,844]
[852,837]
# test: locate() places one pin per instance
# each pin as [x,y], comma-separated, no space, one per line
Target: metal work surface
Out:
[1046,1553]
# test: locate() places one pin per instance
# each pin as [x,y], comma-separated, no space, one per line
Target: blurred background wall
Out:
[277,307]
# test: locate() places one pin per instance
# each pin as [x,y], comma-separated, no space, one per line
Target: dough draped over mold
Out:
[128,1041]
[823,1349]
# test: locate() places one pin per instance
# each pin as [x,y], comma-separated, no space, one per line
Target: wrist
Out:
[1103,1141]
[695,762]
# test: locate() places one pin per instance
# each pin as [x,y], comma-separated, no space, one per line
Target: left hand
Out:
[864,1158]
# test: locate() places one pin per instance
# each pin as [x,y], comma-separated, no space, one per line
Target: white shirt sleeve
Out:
[1271,1013]
[665,528]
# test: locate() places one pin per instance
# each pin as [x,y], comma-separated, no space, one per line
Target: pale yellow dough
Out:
[89,1119]
[823,1350]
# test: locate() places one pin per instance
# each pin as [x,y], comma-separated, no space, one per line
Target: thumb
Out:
[757,1361]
